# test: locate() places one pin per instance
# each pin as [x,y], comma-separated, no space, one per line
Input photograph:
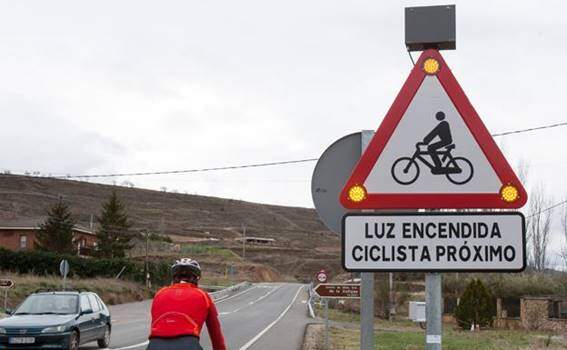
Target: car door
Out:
[85,321]
[97,319]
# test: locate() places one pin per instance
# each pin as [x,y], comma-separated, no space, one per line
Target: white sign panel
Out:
[406,166]
[434,242]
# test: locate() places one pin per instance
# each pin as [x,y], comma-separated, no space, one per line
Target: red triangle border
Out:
[433,200]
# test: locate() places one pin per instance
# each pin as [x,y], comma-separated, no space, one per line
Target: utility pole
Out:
[146,266]
[243,242]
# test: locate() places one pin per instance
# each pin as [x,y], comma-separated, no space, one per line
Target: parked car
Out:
[61,320]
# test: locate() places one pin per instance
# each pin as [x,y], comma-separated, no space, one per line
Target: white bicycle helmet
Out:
[186,266]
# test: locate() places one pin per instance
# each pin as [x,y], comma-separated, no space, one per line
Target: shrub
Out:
[46,263]
[476,306]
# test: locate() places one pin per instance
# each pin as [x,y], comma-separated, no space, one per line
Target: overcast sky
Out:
[125,86]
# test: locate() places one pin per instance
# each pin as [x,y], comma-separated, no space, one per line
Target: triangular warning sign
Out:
[432,151]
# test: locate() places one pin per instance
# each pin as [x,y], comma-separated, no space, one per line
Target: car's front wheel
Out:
[74,341]
[104,342]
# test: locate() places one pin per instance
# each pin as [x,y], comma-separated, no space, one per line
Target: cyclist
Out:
[443,132]
[179,311]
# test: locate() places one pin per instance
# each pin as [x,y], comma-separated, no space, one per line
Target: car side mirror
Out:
[9,312]
[86,312]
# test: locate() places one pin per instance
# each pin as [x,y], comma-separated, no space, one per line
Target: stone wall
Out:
[535,316]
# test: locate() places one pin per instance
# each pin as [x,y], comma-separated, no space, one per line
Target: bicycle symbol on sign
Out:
[458,170]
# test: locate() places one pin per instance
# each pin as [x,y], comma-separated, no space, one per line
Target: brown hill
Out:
[303,244]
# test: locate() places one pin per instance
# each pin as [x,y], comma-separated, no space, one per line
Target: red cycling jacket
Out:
[181,309]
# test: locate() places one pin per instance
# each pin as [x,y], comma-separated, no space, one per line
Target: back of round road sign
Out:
[331,173]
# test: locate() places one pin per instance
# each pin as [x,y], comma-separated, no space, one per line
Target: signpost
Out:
[6,284]
[431,151]
[433,241]
[321,276]
[338,291]
[64,270]
[335,291]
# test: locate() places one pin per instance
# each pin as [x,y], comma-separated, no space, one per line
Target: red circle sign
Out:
[322,277]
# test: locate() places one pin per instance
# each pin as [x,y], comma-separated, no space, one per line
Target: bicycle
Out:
[458,170]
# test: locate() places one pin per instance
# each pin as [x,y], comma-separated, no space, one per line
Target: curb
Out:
[313,337]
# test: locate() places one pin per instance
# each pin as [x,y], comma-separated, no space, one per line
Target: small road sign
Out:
[338,291]
[321,276]
[6,283]
[64,268]
[432,151]
[452,242]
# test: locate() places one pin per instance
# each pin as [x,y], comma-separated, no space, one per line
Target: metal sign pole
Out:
[433,311]
[326,324]
[366,311]
[366,285]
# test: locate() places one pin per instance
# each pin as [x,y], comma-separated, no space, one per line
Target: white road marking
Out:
[253,340]
[251,303]
[131,346]
[235,295]
[265,330]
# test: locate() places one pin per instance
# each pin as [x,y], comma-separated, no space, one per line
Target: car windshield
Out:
[41,304]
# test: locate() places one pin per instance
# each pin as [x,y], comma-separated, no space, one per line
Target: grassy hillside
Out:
[303,244]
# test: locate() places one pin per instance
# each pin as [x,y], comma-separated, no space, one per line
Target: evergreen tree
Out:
[56,233]
[113,234]
[476,306]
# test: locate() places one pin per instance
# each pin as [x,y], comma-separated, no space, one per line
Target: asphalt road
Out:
[264,316]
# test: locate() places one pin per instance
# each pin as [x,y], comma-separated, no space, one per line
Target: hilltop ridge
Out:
[302,243]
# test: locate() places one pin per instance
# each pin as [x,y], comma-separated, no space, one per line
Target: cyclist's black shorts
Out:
[178,343]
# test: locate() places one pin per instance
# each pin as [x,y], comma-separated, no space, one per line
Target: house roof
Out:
[33,224]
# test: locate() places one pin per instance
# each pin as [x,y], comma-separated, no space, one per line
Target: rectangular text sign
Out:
[434,242]
[341,291]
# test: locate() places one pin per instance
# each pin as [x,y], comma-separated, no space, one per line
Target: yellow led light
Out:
[509,193]
[357,193]
[431,66]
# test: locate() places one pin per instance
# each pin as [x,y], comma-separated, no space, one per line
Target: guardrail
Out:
[310,307]
[221,294]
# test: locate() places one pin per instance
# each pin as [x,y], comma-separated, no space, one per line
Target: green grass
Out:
[405,335]
[452,340]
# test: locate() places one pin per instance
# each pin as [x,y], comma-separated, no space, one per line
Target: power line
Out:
[259,165]
[530,129]
[548,208]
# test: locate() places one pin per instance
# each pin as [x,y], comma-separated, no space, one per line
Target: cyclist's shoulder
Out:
[162,290]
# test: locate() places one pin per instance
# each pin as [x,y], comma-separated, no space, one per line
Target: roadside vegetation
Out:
[413,339]
[111,291]
[405,335]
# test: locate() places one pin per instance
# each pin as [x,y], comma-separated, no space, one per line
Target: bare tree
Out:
[523,169]
[539,228]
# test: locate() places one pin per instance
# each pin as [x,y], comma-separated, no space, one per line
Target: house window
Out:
[23,242]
